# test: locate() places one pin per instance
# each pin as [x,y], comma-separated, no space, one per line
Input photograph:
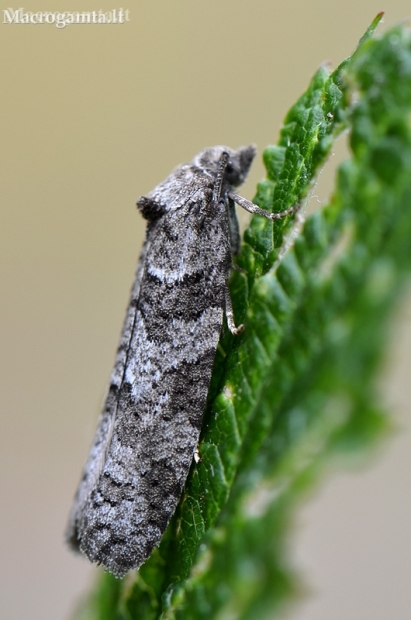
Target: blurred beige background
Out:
[92,118]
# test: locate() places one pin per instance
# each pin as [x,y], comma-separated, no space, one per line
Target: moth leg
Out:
[230,314]
[237,268]
[233,227]
[252,208]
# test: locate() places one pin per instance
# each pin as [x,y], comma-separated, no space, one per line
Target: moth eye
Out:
[232,173]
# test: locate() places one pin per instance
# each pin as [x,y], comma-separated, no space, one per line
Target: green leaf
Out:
[298,386]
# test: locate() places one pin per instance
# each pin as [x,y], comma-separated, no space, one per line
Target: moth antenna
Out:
[222,165]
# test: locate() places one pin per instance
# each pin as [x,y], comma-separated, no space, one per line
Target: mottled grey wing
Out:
[98,451]
[151,422]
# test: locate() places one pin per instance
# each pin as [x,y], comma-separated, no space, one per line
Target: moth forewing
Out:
[148,432]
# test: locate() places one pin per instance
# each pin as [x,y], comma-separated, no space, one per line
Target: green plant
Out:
[299,384]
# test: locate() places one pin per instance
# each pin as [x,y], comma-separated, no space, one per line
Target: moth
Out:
[149,428]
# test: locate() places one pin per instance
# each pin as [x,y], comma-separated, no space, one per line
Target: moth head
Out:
[238,165]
